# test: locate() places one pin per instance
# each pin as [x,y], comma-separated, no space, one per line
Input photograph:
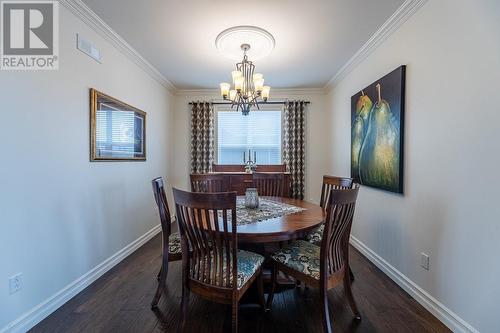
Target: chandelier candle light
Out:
[248,87]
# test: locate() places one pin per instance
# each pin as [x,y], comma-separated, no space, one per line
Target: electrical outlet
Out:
[15,283]
[424,260]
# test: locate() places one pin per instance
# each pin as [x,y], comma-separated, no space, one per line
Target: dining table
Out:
[277,219]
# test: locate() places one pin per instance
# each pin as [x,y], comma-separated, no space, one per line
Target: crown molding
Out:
[83,12]
[197,92]
[400,16]
[274,91]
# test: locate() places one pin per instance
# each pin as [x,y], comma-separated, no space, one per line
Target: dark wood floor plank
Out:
[119,302]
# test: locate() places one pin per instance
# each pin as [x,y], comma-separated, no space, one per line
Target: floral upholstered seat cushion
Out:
[248,264]
[316,235]
[301,256]
[174,243]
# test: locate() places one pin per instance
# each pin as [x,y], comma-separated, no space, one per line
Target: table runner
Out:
[268,209]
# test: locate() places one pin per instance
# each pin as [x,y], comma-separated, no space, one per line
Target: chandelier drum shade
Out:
[248,88]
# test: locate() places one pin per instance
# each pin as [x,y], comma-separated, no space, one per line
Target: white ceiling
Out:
[314,38]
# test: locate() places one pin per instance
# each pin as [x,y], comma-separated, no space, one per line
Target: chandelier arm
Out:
[241,103]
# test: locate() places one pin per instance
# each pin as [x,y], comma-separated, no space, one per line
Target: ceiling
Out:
[314,38]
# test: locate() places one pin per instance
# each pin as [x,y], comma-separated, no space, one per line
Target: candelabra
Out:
[250,165]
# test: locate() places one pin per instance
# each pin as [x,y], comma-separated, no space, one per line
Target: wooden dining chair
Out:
[324,266]
[216,270]
[269,184]
[171,243]
[208,183]
[329,183]
[332,182]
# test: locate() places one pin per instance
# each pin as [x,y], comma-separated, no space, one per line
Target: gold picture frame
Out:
[117,130]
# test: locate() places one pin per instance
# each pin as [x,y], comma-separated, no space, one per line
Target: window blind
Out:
[115,131]
[259,131]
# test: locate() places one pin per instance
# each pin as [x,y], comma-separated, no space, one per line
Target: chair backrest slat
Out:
[208,183]
[332,182]
[207,223]
[338,222]
[269,184]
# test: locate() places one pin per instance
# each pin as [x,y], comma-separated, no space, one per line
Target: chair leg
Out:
[162,285]
[350,297]
[234,316]
[325,313]
[274,273]
[351,275]
[158,277]
[260,287]
[184,309]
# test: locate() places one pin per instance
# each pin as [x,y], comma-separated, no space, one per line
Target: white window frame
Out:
[227,108]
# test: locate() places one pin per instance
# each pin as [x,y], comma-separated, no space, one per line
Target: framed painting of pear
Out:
[377,126]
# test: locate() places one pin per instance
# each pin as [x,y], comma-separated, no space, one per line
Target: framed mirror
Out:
[117,130]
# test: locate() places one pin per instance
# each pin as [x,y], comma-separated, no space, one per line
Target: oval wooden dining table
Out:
[283,228]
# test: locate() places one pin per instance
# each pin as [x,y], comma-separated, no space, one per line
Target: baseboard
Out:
[445,315]
[44,309]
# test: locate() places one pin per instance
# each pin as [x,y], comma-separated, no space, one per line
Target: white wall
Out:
[61,215]
[450,209]
[316,133]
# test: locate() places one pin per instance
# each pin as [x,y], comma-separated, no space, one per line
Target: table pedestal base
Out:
[283,281]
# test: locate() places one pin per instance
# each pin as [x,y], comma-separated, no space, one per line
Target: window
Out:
[259,131]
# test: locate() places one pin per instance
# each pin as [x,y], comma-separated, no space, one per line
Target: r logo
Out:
[29,29]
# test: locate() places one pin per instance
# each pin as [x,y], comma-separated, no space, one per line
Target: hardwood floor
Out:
[120,302]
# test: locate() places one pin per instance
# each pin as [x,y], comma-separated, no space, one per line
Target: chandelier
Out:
[248,87]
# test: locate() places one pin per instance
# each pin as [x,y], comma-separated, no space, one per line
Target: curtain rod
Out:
[260,103]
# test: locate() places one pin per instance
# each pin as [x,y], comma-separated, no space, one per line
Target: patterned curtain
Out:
[202,137]
[294,146]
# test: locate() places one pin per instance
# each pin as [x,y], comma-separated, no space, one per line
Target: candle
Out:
[255,157]
[244,157]
[249,155]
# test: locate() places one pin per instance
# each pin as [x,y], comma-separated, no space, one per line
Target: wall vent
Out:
[86,47]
